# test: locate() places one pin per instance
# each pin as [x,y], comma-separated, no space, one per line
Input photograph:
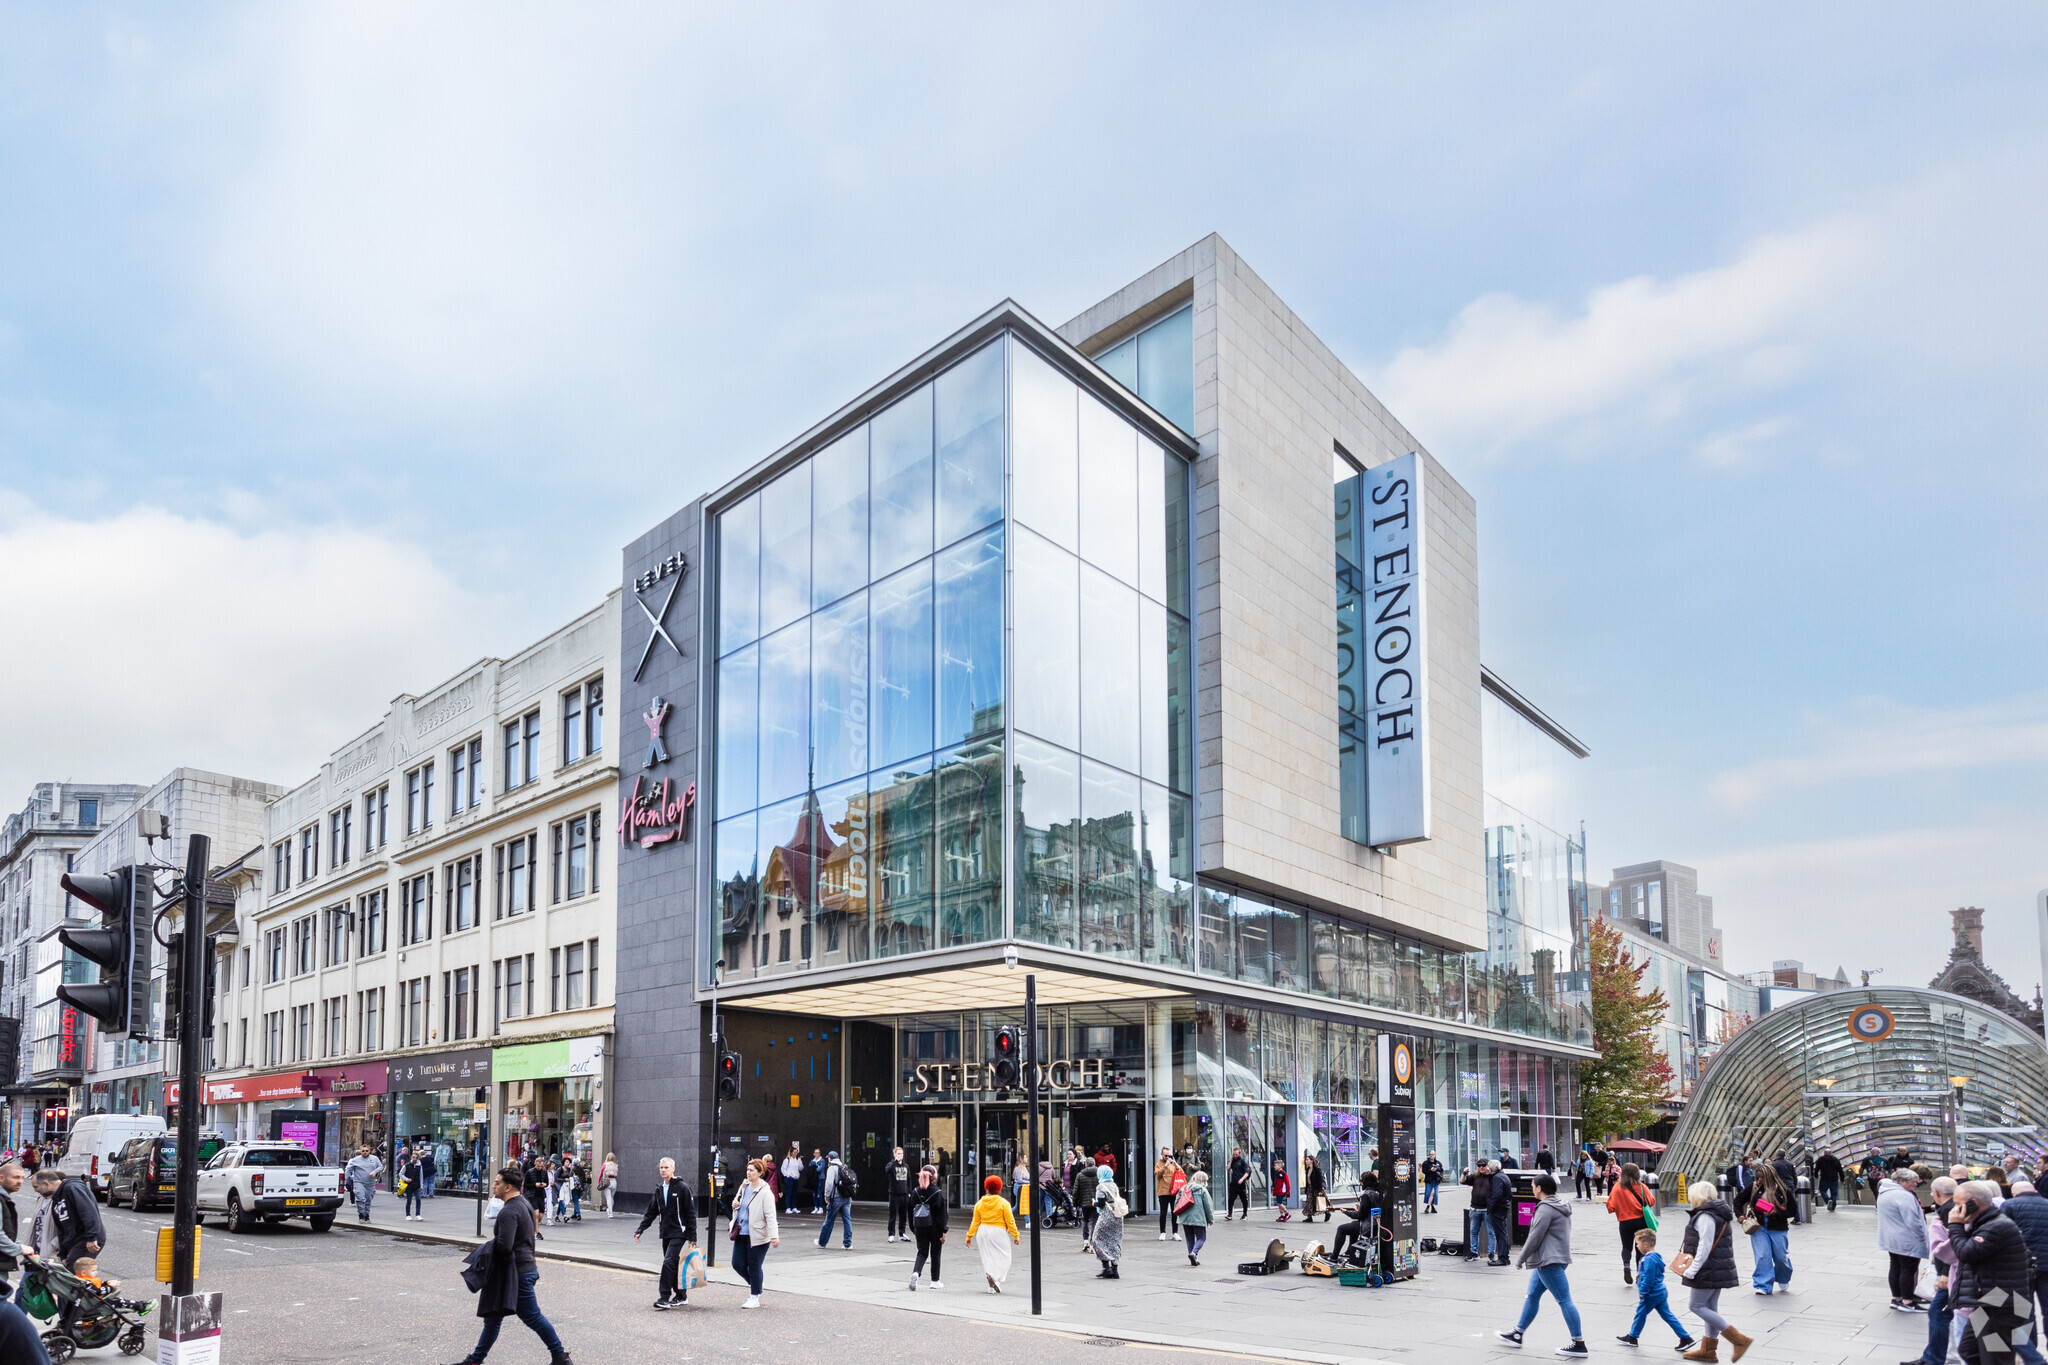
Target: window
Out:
[273,953]
[305,934]
[302,1032]
[583,721]
[242,1050]
[273,1038]
[466,776]
[280,870]
[370,1017]
[460,882]
[412,1010]
[516,975]
[515,759]
[334,1026]
[340,830]
[376,817]
[337,935]
[572,977]
[416,909]
[592,977]
[248,979]
[88,812]
[1158,364]
[512,876]
[370,918]
[532,745]
[573,872]
[554,980]
[309,852]
[419,799]
[458,1002]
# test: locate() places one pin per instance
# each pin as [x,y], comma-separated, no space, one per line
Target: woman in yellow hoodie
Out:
[992,1212]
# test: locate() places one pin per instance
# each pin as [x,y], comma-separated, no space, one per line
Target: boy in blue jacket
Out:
[1650,1293]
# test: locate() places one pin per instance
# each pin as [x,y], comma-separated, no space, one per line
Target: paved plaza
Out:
[1837,1310]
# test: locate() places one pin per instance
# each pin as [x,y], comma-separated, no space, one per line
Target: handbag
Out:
[1650,1217]
[1185,1202]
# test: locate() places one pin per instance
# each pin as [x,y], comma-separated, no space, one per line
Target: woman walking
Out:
[754,1230]
[1197,1216]
[1168,1180]
[1626,1203]
[608,1183]
[1545,1255]
[993,1218]
[926,1218]
[1110,1211]
[409,1177]
[1706,1266]
[1313,1191]
[1085,1181]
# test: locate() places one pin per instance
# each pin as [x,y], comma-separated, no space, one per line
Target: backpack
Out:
[921,1214]
[1117,1205]
[848,1186]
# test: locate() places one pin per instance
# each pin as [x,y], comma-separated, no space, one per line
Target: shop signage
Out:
[1871,1024]
[656,814]
[1089,1073]
[446,1071]
[550,1061]
[1397,720]
[657,621]
[254,1089]
[359,1079]
[70,1040]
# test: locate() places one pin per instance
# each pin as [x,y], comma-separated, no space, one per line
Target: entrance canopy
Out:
[1852,1071]
[958,988]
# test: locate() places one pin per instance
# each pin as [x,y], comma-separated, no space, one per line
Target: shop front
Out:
[552,1097]
[351,1101]
[247,1108]
[443,1101]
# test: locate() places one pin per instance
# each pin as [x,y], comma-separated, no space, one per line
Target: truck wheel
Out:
[322,1221]
[237,1220]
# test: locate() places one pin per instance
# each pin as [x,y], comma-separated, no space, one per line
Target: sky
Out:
[343,345]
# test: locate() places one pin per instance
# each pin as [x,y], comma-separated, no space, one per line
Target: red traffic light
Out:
[1003,1065]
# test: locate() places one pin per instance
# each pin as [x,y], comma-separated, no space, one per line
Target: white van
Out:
[96,1143]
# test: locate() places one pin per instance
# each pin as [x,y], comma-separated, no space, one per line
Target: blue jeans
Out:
[427,1181]
[1773,1260]
[1939,1315]
[1830,1191]
[576,1200]
[1662,1303]
[529,1313]
[1550,1279]
[839,1208]
[1429,1190]
[412,1199]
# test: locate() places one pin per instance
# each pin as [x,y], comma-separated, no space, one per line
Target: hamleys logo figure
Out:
[656,715]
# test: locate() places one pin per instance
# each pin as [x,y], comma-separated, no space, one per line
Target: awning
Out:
[959,988]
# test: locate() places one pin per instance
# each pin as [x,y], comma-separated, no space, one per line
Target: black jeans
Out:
[1630,1257]
[671,1261]
[1347,1233]
[1905,1275]
[1167,1221]
[1499,1223]
[899,1214]
[747,1259]
[1240,1193]
[1088,1215]
[928,1244]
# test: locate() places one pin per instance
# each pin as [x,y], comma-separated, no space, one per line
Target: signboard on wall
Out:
[1397,718]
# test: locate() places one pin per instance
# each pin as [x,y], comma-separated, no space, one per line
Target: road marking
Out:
[238,1251]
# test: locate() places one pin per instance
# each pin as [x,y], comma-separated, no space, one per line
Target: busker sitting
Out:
[1353,1231]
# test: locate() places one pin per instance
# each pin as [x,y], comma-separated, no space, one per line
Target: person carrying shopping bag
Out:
[1196,1213]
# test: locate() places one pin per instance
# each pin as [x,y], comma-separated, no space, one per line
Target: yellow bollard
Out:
[165,1238]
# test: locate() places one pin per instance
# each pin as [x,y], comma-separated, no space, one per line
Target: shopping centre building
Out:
[1139,656]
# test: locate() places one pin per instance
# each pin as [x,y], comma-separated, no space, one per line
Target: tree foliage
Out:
[1621,1087]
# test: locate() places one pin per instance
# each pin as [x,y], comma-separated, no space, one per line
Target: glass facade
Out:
[1158,364]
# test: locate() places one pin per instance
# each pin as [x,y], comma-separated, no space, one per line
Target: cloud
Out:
[1733,448]
[1877,738]
[146,641]
[1508,367]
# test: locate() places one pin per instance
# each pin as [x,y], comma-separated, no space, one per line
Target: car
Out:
[252,1182]
[146,1172]
[96,1142]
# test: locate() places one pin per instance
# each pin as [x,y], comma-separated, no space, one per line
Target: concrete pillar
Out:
[1158,1077]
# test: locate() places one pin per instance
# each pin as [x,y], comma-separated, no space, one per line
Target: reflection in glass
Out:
[785,712]
[739,678]
[839,497]
[1352,984]
[1286,939]
[1176,476]
[839,691]
[1109,490]
[900,448]
[789,838]
[1323,959]
[739,574]
[1166,891]
[970,838]
[1046,492]
[786,548]
[1109,670]
[845,876]
[1048,807]
[1166,368]
[1155,467]
[901,660]
[1155,727]
[903,810]
[1045,595]
[969,426]
[970,619]
[1212,932]
[1253,923]
[739,895]
[1180,703]
[1109,862]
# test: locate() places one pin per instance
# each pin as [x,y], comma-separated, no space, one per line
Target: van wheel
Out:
[237,1220]
[322,1221]
[112,1202]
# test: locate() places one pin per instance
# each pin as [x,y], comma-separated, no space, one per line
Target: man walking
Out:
[1432,1180]
[69,1217]
[11,1176]
[1994,1280]
[508,1290]
[1240,1191]
[427,1169]
[837,1188]
[1827,1178]
[361,1174]
[676,1208]
[896,1180]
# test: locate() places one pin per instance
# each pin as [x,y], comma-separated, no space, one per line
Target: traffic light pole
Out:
[191,1010]
[1037,1218]
[711,1176]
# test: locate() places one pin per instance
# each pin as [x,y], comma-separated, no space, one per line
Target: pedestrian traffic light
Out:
[121,946]
[728,1075]
[1003,1063]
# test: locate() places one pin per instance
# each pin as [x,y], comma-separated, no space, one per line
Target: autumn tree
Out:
[1620,1088]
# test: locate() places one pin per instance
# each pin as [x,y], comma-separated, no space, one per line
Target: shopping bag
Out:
[693,1269]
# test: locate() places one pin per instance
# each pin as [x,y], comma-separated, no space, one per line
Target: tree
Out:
[1620,1088]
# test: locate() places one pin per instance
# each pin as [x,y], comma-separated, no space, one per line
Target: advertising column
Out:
[1398,1257]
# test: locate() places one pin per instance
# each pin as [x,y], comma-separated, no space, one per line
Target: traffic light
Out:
[1003,1063]
[174,989]
[126,900]
[728,1075]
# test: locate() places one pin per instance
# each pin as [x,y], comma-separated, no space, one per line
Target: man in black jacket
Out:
[1994,1274]
[1240,1185]
[11,1250]
[2027,1208]
[508,1290]
[896,1177]
[1827,1178]
[73,1213]
[1498,1202]
[673,1204]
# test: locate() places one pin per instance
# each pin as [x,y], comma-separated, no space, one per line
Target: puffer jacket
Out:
[2030,1212]
[1084,1186]
[1901,1225]
[1550,1235]
[1991,1254]
[1713,1267]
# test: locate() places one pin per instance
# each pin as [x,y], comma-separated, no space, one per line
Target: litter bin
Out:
[1805,1200]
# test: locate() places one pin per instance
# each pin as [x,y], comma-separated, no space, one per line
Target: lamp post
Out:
[1955,1127]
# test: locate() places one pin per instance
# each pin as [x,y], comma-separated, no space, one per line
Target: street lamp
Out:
[1956,1084]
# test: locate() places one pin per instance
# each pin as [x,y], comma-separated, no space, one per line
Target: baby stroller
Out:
[1059,1205]
[86,1316]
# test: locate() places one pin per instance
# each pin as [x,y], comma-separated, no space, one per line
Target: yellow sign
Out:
[164,1238]
[793,1101]
[1679,1177]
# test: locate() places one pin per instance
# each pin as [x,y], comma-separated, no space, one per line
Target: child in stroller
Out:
[1059,1205]
[90,1311]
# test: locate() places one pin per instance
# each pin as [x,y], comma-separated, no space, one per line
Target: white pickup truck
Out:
[270,1181]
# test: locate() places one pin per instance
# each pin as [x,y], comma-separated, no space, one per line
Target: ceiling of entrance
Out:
[961,988]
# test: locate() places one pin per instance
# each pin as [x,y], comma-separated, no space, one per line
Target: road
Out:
[293,1295]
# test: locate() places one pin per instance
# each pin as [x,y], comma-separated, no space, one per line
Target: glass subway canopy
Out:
[1852,1071]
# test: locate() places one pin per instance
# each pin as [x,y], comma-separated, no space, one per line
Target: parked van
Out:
[147,1172]
[96,1143]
